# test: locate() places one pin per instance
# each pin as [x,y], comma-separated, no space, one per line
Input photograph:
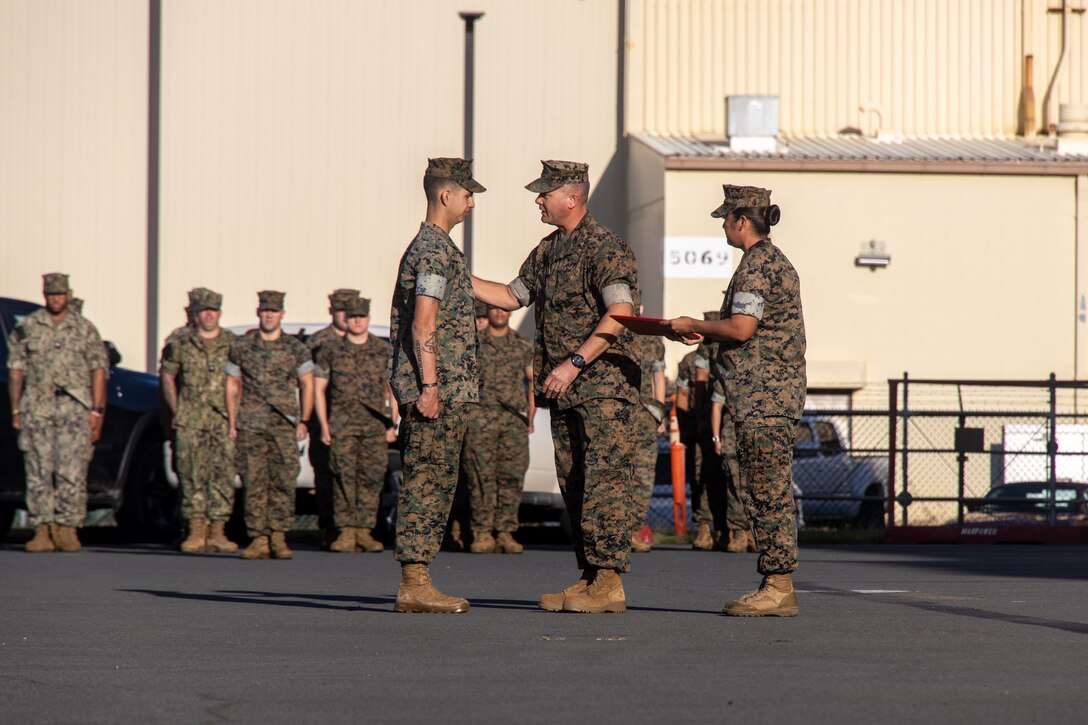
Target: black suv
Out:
[126,474]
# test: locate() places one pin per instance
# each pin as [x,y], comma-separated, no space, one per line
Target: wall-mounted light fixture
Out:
[872,255]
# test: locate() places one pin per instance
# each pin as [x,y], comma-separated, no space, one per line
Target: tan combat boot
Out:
[774,598]
[703,539]
[65,538]
[418,594]
[604,594]
[279,546]
[482,543]
[554,602]
[345,542]
[505,544]
[257,549]
[365,540]
[197,540]
[638,546]
[218,541]
[42,541]
[739,541]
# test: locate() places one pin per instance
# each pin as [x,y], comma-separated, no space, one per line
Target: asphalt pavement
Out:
[895,634]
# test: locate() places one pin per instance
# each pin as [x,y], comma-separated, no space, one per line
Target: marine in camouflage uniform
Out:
[57,383]
[352,401]
[497,445]
[318,451]
[268,379]
[194,387]
[761,362]
[585,365]
[686,420]
[433,333]
[651,352]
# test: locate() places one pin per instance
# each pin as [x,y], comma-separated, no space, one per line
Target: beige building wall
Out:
[295,136]
[953,67]
[73,156]
[970,292]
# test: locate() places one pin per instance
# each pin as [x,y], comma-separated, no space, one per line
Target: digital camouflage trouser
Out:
[358,464]
[269,463]
[642,482]
[56,452]
[496,457]
[431,453]
[204,460]
[765,451]
[594,450]
[736,518]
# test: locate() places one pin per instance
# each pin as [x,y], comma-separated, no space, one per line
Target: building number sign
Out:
[698,258]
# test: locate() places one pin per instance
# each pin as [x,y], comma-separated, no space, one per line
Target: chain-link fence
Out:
[955,443]
[932,457]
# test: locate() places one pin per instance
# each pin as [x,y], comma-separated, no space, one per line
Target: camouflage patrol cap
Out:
[270,300]
[339,298]
[481,308]
[458,170]
[741,197]
[357,306]
[55,283]
[202,298]
[712,315]
[559,173]
[76,303]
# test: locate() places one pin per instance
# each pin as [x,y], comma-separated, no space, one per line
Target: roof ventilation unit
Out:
[1072,129]
[752,123]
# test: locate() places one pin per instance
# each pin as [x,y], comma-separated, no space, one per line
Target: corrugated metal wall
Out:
[295,137]
[73,156]
[928,67]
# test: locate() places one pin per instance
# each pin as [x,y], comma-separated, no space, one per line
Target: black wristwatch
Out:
[578,361]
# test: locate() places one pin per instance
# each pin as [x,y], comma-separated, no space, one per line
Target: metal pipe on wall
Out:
[470,19]
[1048,127]
[154,76]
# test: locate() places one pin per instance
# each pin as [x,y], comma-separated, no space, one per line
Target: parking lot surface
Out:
[911,634]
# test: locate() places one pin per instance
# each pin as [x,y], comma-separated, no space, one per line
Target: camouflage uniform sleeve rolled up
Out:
[322,362]
[614,272]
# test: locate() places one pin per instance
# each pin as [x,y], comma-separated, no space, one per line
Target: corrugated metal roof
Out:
[862,148]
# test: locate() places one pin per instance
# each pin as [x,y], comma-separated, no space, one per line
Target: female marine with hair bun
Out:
[761,360]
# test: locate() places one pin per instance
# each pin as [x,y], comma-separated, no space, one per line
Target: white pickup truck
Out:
[824,467]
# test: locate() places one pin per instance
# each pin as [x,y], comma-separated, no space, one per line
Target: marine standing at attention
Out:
[270,375]
[57,385]
[434,379]
[194,389]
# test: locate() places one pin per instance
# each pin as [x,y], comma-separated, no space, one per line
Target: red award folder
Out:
[650,326]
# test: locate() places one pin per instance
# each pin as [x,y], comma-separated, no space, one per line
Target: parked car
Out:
[126,473]
[833,480]
[1029,503]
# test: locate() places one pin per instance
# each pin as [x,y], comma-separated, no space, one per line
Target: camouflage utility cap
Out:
[202,298]
[481,308]
[741,197]
[340,298]
[712,315]
[270,300]
[458,170]
[559,173]
[55,283]
[357,307]
[76,304]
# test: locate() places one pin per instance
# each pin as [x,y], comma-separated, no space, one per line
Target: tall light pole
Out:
[470,19]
